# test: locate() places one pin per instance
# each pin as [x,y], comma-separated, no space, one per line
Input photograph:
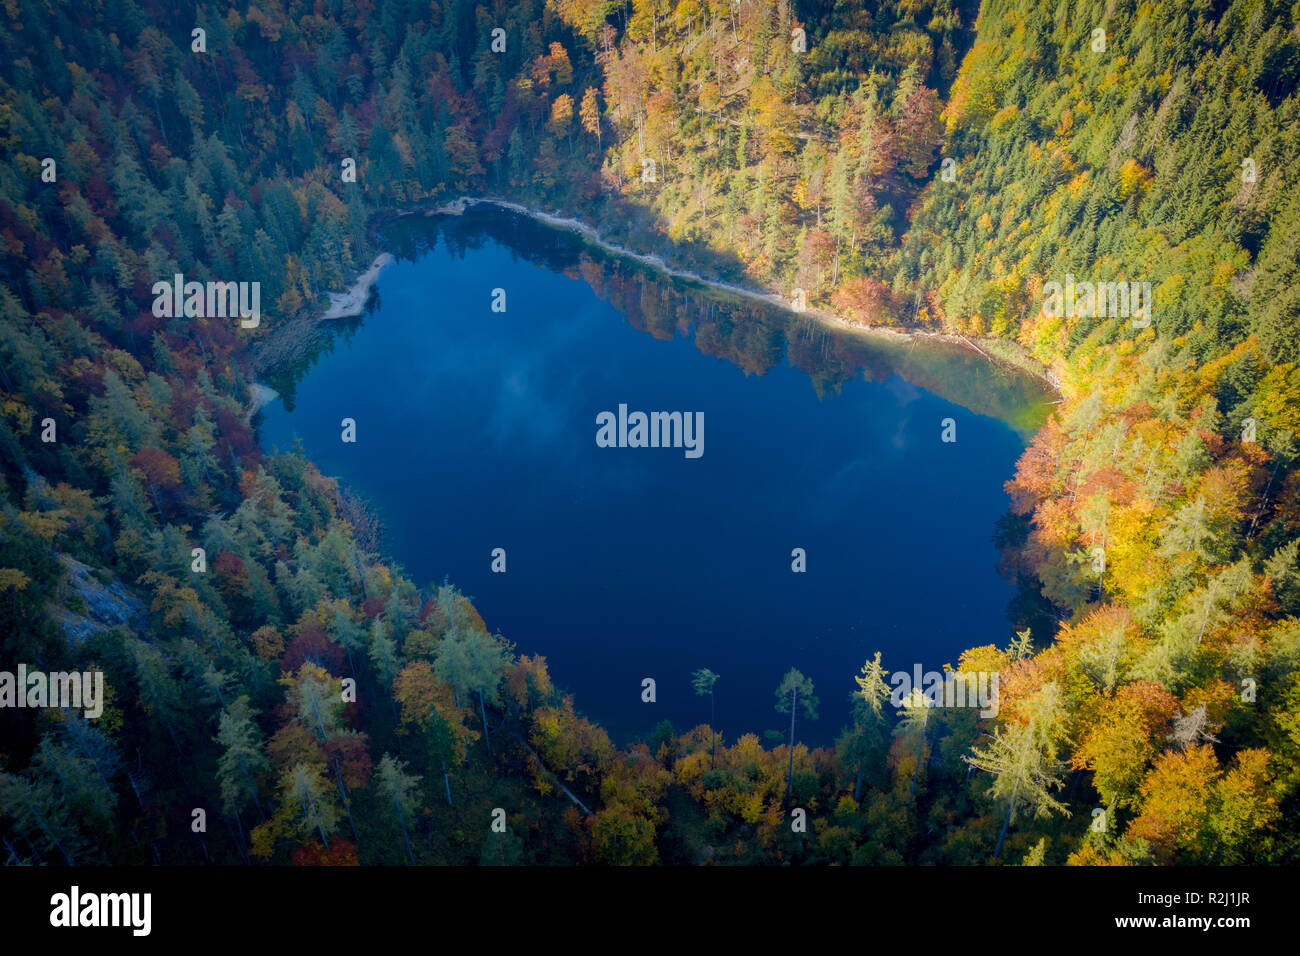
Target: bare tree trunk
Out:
[402,823]
[789,773]
[997,851]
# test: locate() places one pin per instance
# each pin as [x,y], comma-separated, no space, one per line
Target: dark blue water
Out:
[476,430]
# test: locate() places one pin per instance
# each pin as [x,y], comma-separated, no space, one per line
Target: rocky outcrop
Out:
[87,606]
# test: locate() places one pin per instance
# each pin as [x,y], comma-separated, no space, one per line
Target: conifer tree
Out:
[1023,757]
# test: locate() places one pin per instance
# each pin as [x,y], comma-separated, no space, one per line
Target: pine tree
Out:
[703,680]
[243,759]
[315,807]
[400,791]
[1023,758]
[795,692]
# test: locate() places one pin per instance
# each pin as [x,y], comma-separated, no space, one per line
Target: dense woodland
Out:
[1162,689]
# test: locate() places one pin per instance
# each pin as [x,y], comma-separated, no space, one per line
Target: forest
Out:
[918,164]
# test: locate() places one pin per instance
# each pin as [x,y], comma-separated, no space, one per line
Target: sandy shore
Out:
[457,207]
[296,337]
[259,396]
[353,302]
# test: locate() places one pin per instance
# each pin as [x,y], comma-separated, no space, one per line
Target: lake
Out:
[477,430]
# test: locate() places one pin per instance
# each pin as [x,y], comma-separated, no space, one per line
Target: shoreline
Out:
[352,301]
[259,396]
[458,206]
[290,341]
[344,305]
